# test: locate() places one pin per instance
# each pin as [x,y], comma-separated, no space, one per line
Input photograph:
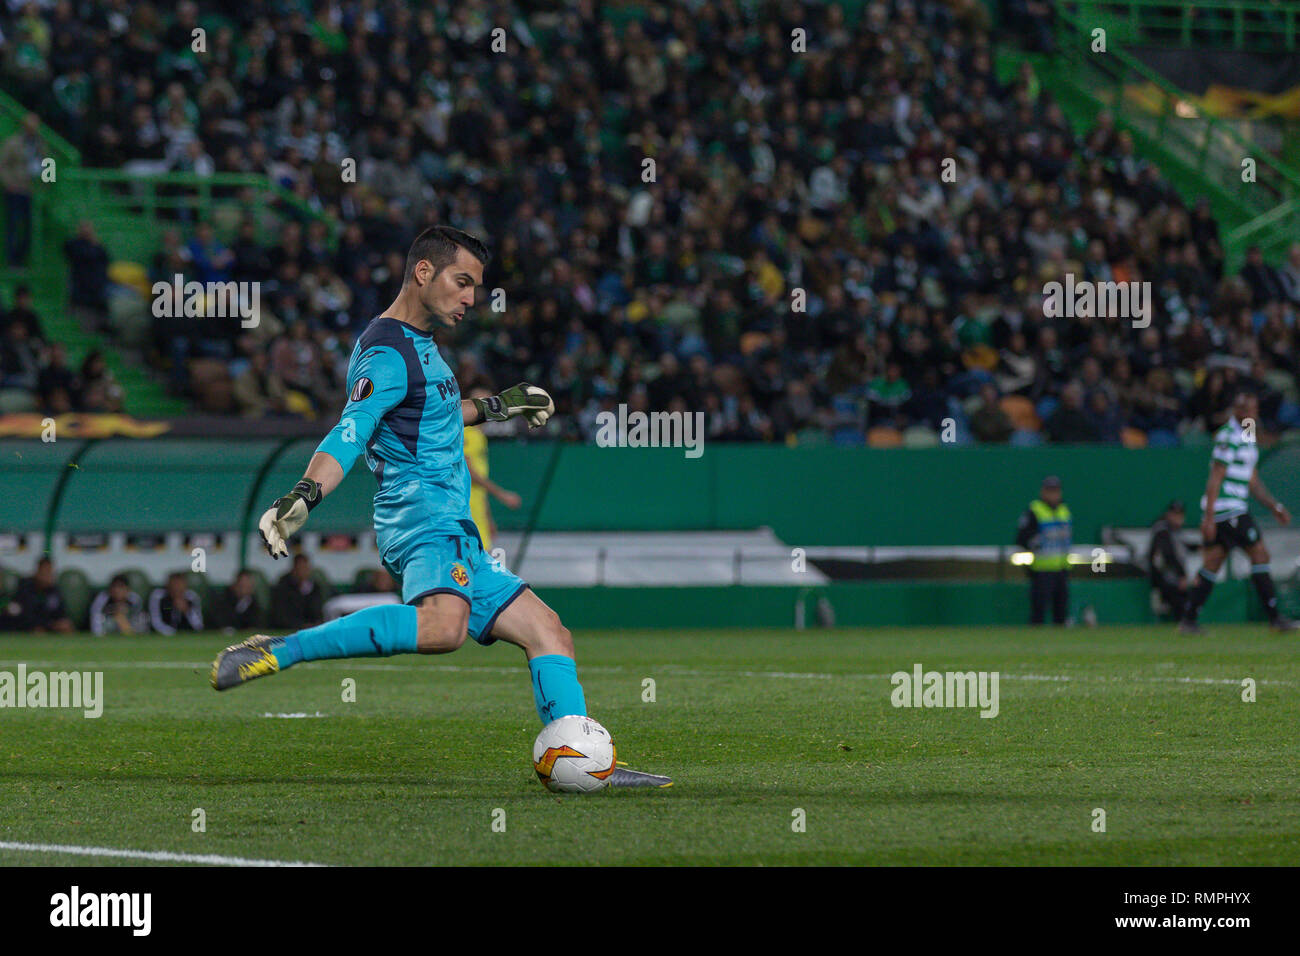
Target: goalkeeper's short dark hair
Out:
[438,245]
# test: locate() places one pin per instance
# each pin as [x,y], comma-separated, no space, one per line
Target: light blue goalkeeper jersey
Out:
[404,412]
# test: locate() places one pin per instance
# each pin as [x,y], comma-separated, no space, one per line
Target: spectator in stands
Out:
[20,363]
[989,423]
[297,360]
[37,606]
[118,610]
[1290,274]
[88,282]
[210,260]
[21,156]
[1265,282]
[237,607]
[1105,416]
[175,607]
[259,392]
[297,600]
[887,394]
[55,378]
[1071,421]
[1018,368]
[23,314]
[770,181]
[99,389]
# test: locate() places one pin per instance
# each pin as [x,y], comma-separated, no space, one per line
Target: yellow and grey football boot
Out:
[240,663]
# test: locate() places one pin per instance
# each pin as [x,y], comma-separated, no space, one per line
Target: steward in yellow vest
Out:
[1045,530]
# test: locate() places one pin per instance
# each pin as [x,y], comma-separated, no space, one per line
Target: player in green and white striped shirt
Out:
[1225,514]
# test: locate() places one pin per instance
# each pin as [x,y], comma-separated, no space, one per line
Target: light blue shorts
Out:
[443,564]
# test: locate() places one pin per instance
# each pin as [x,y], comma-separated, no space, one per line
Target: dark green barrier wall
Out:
[870,604]
[809,496]
[834,496]
[29,474]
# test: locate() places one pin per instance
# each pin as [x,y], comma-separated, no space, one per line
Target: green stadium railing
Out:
[38,272]
[11,116]
[130,214]
[1249,25]
[1205,149]
[133,211]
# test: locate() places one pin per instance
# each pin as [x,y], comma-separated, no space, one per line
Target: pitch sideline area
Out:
[842,746]
[142,856]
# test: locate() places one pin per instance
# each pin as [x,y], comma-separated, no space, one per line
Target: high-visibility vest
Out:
[1053,552]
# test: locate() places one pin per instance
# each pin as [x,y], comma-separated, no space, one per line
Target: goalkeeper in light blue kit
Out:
[405,414]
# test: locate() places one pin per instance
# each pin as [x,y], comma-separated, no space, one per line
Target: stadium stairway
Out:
[130,214]
[46,274]
[1199,154]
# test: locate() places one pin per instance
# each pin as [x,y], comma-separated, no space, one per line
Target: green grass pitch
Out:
[1145,725]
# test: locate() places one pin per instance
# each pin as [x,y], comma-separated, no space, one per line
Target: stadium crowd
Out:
[798,266]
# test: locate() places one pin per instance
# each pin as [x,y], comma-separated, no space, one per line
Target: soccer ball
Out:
[574,755]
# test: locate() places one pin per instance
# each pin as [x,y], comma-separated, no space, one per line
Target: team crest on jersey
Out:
[362,389]
[460,575]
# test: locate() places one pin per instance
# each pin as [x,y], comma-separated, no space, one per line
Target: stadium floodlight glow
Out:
[1104,558]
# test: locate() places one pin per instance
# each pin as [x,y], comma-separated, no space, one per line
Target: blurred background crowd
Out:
[798,266]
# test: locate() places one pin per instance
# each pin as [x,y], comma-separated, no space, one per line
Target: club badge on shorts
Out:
[460,575]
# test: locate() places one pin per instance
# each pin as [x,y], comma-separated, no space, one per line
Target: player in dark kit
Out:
[1167,561]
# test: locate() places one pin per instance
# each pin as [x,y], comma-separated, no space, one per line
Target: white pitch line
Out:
[161,856]
[365,665]
[358,664]
[1057,678]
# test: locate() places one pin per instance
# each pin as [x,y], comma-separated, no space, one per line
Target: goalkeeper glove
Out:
[524,399]
[286,515]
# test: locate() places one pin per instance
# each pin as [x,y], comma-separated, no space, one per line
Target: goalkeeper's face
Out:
[450,293]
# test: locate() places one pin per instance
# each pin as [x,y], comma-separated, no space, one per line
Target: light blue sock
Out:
[371,632]
[556,690]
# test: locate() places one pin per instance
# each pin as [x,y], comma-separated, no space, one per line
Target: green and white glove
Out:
[524,399]
[286,515]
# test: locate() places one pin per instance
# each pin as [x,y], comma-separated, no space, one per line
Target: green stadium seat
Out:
[138,582]
[326,589]
[1021,412]
[920,436]
[77,595]
[131,318]
[15,400]
[262,588]
[1133,438]
[882,436]
[8,582]
[362,581]
[198,583]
